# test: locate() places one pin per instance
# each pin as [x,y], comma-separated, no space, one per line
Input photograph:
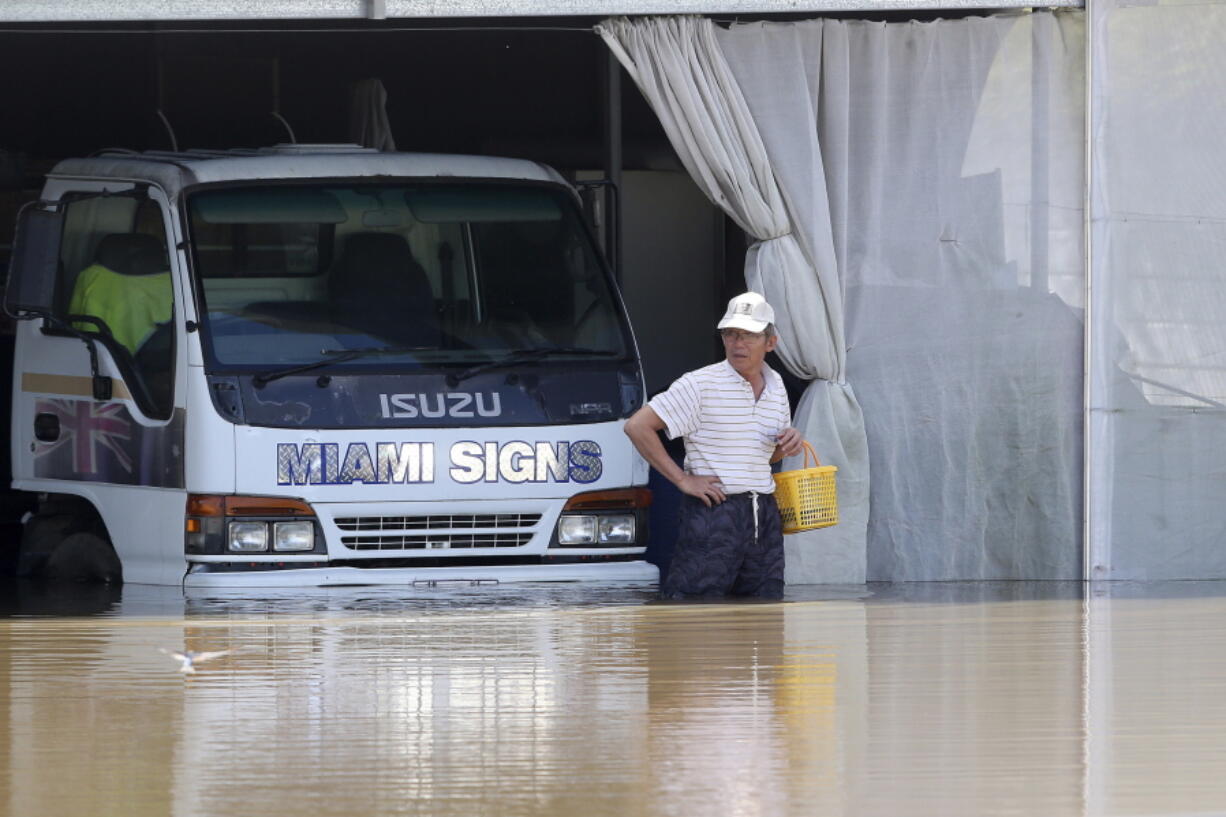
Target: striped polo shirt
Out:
[727,433]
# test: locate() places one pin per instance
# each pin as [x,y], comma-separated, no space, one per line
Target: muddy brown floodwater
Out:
[963,699]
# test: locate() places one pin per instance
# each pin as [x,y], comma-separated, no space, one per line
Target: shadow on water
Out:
[988,592]
[23,597]
[37,598]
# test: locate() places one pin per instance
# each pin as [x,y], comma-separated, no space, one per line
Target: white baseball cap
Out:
[748,311]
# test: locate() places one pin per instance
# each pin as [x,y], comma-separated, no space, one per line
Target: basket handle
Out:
[809,452]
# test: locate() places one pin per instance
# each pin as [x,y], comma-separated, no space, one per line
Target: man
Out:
[735,420]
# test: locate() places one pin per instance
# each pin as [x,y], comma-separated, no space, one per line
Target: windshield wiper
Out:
[526,356]
[332,356]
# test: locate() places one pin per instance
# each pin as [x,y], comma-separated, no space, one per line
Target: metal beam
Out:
[611,91]
[57,11]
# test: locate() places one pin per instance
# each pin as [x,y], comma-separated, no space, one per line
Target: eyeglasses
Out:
[737,335]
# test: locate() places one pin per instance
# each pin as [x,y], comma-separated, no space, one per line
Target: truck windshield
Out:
[450,274]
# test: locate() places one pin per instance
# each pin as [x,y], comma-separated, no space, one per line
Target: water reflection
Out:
[886,700]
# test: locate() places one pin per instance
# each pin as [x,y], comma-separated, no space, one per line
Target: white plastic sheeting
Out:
[1158,394]
[952,155]
[933,172]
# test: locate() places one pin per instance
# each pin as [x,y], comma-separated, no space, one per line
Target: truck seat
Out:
[377,286]
[132,254]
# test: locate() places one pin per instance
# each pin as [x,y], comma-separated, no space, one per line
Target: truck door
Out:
[95,380]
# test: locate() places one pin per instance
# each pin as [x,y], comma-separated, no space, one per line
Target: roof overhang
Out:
[57,11]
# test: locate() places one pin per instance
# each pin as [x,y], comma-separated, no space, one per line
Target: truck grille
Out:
[437,541]
[442,521]
[438,531]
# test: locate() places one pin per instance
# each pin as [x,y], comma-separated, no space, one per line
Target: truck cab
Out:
[322,365]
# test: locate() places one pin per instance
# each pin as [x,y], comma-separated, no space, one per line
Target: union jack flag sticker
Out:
[90,429]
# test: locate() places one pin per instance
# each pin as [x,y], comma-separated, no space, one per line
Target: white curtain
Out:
[1158,391]
[931,175]
[680,68]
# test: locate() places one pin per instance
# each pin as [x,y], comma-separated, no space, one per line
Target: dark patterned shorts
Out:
[717,553]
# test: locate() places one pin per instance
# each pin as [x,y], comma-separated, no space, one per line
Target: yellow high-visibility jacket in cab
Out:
[131,305]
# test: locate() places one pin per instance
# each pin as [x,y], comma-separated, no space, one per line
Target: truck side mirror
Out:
[35,261]
[33,270]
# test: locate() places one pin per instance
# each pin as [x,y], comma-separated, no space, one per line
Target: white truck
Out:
[321,365]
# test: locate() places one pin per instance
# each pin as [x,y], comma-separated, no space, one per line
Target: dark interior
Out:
[526,88]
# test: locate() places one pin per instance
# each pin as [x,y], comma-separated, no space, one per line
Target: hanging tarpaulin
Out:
[953,184]
[930,175]
[1157,418]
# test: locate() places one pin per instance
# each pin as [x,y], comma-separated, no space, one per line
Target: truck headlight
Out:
[248,537]
[613,518]
[576,530]
[239,524]
[616,530]
[596,529]
[293,536]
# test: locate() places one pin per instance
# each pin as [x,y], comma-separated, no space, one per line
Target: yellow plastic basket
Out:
[807,497]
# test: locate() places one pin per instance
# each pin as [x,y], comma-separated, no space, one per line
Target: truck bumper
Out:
[620,572]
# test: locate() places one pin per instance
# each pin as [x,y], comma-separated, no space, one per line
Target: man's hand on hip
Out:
[708,489]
